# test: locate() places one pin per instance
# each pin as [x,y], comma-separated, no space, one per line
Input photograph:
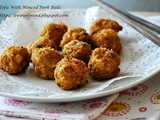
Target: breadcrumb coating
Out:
[77,49]
[76,33]
[40,43]
[54,32]
[71,73]
[104,64]
[44,61]
[104,23]
[14,59]
[107,38]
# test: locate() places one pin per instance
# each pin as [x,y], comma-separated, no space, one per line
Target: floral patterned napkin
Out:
[83,110]
[141,102]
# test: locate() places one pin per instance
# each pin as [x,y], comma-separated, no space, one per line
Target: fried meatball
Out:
[54,32]
[77,33]
[107,38]
[71,73]
[44,61]
[40,43]
[104,64]
[14,59]
[77,49]
[103,23]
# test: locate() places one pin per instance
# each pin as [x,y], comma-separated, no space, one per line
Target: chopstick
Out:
[146,28]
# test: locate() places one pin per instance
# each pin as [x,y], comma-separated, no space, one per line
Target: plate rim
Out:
[80,98]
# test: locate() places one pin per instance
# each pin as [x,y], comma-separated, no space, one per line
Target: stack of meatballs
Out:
[69,56]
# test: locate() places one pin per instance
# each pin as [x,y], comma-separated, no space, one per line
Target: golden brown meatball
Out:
[44,61]
[107,38]
[54,32]
[77,33]
[104,64]
[103,23]
[14,59]
[71,73]
[40,43]
[77,49]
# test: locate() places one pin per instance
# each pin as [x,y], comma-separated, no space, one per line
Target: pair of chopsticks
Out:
[146,28]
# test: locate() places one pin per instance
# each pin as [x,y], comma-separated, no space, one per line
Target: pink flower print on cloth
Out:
[117,109]
[143,109]
[155,98]
[95,104]
[56,111]
[14,102]
[137,90]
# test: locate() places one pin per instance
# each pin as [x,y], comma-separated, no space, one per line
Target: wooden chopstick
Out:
[146,28]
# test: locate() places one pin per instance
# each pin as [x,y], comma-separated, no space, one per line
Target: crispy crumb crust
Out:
[77,49]
[104,23]
[14,59]
[107,38]
[40,43]
[76,33]
[104,64]
[71,73]
[44,61]
[54,32]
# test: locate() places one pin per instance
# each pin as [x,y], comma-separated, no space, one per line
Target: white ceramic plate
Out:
[140,58]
